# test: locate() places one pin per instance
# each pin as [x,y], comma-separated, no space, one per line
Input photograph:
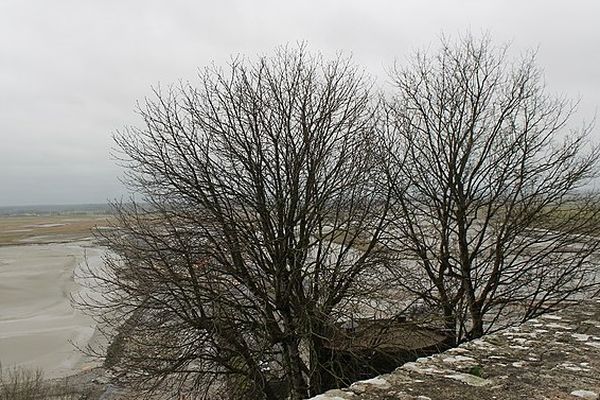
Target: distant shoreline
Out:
[55,209]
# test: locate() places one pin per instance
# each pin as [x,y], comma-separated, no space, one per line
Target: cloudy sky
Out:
[71,70]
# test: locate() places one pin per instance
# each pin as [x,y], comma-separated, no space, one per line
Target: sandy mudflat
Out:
[42,229]
[37,321]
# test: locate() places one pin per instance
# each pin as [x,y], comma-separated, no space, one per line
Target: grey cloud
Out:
[71,70]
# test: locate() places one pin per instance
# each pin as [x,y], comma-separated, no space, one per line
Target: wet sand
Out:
[38,326]
[41,229]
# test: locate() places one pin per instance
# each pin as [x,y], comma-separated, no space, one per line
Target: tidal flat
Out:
[39,258]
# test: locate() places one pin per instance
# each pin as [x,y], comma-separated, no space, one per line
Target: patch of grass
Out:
[476,370]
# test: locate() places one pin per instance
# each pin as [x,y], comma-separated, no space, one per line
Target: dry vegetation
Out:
[23,384]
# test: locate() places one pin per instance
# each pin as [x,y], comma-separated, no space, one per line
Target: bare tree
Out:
[494,225]
[257,234]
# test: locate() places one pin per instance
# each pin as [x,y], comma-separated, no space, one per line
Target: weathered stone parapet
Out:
[556,356]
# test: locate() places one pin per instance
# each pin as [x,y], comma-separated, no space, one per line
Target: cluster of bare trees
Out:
[284,200]
[490,189]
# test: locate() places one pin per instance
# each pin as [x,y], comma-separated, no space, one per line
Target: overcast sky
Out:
[71,70]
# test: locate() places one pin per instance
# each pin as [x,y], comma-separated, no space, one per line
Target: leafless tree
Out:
[257,232]
[494,224]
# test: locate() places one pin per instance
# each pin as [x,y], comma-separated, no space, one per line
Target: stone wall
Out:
[556,356]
